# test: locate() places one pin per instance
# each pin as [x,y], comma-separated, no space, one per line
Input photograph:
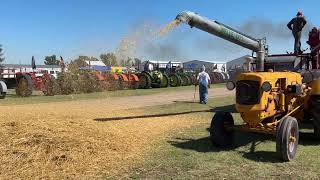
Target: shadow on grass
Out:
[205,145]
[228,108]
[19,97]
[149,116]
[186,102]
[308,139]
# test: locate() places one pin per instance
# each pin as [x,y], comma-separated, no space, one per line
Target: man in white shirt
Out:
[204,82]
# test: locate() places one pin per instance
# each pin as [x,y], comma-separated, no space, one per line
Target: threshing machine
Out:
[269,102]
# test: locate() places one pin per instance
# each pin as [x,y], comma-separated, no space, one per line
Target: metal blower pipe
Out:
[227,33]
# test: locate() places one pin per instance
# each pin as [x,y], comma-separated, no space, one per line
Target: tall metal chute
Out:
[227,33]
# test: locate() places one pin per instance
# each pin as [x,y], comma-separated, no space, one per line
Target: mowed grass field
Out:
[187,153]
[90,140]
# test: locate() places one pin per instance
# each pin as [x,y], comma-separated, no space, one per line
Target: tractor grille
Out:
[247,92]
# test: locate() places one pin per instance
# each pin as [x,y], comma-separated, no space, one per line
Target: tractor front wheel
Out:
[221,132]
[287,138]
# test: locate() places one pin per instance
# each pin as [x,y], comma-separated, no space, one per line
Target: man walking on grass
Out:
[204,82]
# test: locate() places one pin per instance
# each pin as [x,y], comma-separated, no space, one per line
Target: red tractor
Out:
[26,82]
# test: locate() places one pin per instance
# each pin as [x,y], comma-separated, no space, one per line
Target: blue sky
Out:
[91,27]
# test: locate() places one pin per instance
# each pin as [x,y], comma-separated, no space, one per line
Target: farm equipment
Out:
[25,82]
[182,79]
[129,80]
[3,90]
[154,79]
[269,102]
[218,77]
[116,81]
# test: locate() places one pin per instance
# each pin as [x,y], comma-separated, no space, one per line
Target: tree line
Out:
[109,59]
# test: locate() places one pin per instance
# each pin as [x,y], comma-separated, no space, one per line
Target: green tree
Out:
[127,62]
[109,59]
[75,64]
[1,54]
[51,60]
[137,62]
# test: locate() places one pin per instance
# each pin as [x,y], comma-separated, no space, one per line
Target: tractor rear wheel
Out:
[315,112]
[287,138]
[175,80]
[24,86]
[165,81]
[189,79]
[221,132]
[184,80]
[144,81]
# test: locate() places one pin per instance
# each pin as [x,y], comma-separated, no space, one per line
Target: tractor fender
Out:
[148,74]
[134,77]
[315,87]
[115,76]
[3,87]
[99,76]
[124,77]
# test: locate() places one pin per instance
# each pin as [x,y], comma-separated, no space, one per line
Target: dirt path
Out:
[62,140]
[164,98]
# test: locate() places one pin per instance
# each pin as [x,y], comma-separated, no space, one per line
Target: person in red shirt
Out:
[313,41]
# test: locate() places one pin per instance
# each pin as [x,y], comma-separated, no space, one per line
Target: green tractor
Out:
[154,79]
[182,79]
[175,80]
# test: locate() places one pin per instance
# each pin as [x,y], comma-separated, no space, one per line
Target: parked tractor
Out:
[174,80]
[182,79]
[27,82]
[154,79]
[129,81]
[268,102]
[3,90]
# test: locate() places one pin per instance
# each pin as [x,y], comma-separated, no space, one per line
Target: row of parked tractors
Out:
[93,81]
[157,79]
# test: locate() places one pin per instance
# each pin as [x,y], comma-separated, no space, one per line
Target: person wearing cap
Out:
[296,25]
[204,82]
[314,41]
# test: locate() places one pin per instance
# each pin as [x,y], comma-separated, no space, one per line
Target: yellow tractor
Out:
[270,103]
[269,98]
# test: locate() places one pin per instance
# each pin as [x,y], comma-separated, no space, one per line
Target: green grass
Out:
[189,154]
[38,97]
